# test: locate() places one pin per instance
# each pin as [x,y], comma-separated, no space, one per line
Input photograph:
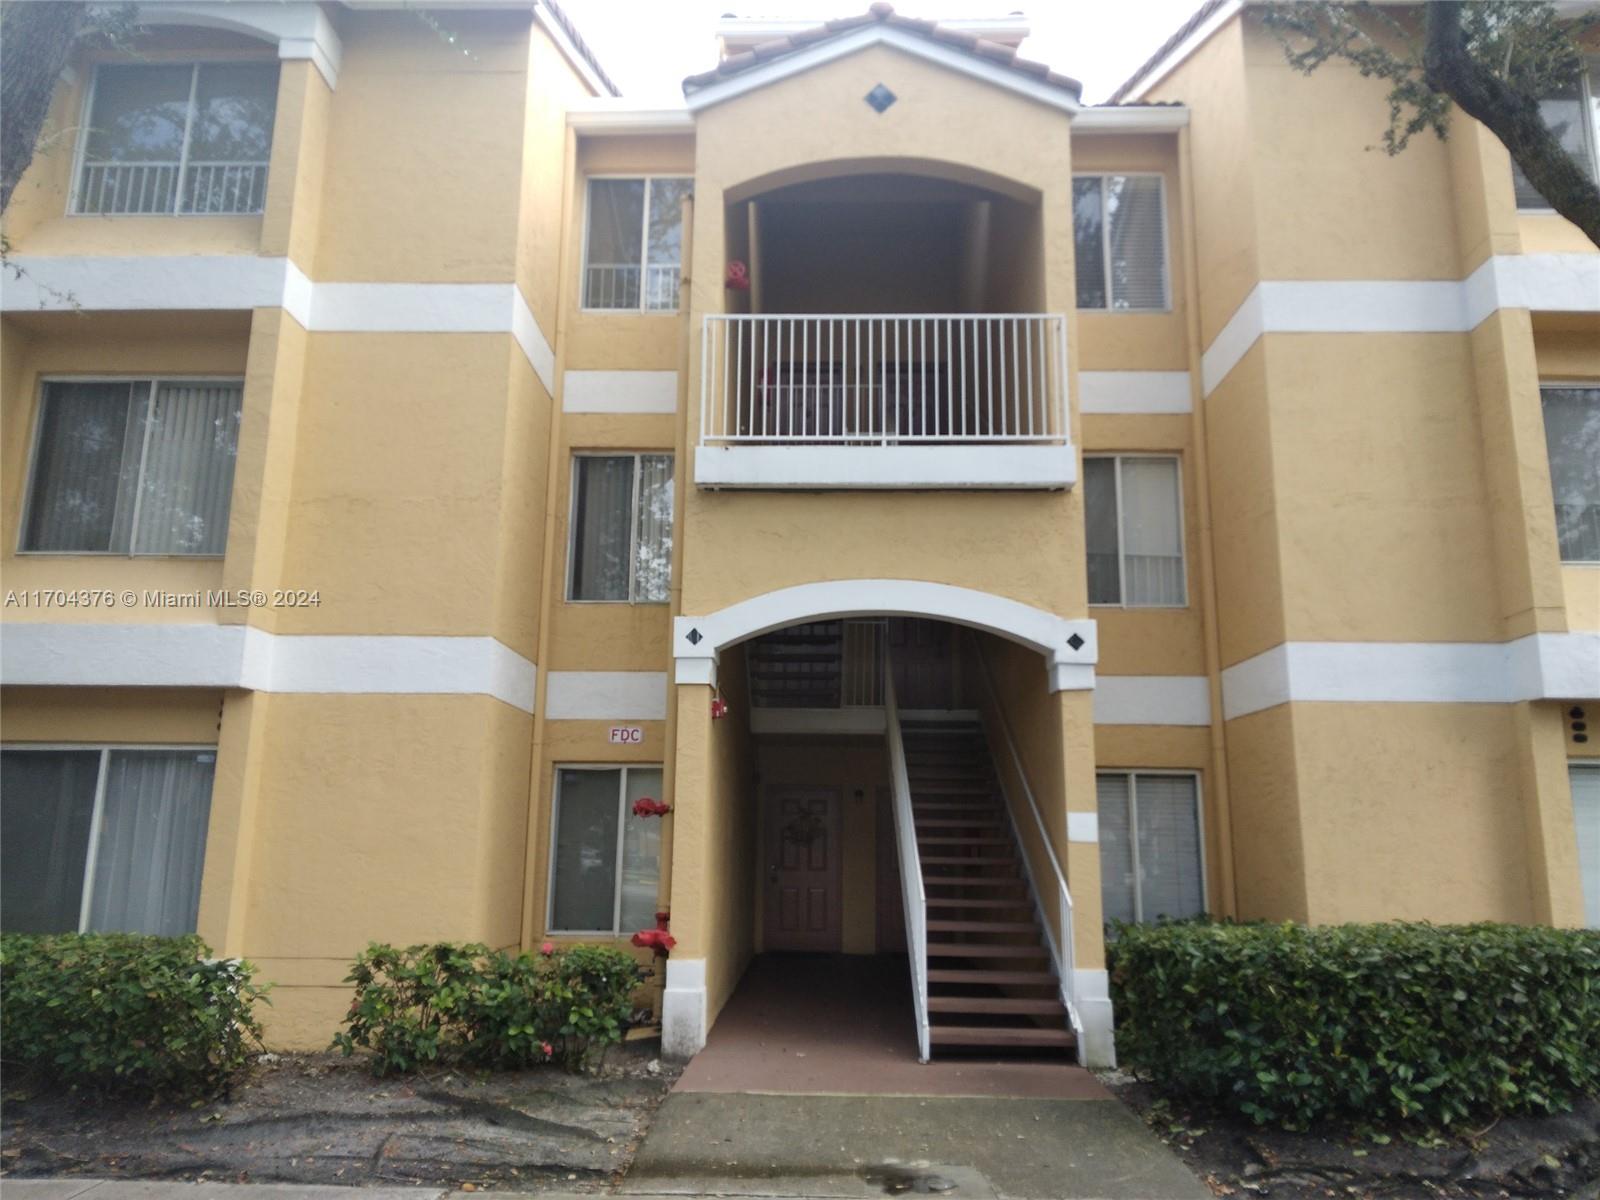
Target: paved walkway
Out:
[809,1086]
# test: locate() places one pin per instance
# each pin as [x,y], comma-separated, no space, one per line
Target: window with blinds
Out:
[621,528]
[1571,113]
[1572,436]
[1586,816]
[1151,861]
[140,466]
[1119,226]
[1133,526]
[103,839]
[605,860]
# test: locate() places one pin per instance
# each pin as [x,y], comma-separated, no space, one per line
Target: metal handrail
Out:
[1061,949]
[911,886]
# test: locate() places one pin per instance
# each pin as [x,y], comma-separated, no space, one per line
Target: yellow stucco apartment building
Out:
[973,514]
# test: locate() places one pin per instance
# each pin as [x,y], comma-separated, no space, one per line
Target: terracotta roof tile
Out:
[995,52]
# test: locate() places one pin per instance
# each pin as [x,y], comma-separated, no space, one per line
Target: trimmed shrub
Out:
[121,1012]
[1431,1025]
[468,1004]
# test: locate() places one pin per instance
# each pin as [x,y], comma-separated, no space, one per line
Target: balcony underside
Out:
[977,466]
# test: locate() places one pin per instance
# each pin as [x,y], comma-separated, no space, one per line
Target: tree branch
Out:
[35,42]
[1511,116]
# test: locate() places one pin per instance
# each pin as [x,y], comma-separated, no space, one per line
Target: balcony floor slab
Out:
[973,466]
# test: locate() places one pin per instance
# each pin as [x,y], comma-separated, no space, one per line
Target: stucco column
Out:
[231,830]
[1546,793]
[684,1016]
[1080,856]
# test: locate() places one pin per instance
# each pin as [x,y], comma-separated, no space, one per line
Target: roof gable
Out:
[967,53]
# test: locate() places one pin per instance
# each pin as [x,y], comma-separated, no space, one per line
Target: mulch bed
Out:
[1516,1157]
[321,1119]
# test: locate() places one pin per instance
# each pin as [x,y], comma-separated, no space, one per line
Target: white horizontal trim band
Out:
[1541,666]
[975,465]
[1134,392]
[605,695]
[1540,282]
[619,392]
[238,281]
[1152,700]
[240,656]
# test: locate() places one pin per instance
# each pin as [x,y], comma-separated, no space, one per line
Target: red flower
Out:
[549,1050]
[548,948]
[646,807]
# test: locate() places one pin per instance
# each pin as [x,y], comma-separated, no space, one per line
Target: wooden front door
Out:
[802,898]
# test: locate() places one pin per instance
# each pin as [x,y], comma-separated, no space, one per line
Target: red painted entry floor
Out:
[841,1025]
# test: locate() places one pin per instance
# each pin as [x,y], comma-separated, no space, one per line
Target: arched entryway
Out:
[911,731]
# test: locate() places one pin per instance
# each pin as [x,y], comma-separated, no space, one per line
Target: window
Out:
[621,528]
[1573,115]
[1151,863]
[133,467]
[102,839]
[1133,524]
[634,244]
[177,138]
[1119,222]
[1572,433]
[604,861]
[1586,815]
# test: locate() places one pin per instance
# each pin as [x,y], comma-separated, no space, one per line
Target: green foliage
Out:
[126,1013]
[1393,1023]
[1526,44]
[468,1004]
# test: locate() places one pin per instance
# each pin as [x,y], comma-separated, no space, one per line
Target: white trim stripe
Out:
[1134,392]
[1540,282]
[1152,700]
[239,656]
[605,695]
[236,281]
[1083,827]
[1541,666]
[619,392]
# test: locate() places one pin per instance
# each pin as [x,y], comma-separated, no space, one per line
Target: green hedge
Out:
[124,1012]
[468,1004]
[1373,1023]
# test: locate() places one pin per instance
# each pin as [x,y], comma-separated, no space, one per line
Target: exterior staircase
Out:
[991,985]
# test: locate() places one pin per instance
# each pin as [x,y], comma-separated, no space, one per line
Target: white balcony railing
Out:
[131,188]
[930,378]
[616,286]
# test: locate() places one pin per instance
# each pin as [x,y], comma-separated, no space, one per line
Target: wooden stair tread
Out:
[959,822]
[979,975]
[1038,1006]
[959,902]
[983,950]
[945,860]
[977,881]
[964,841]
[988,1035]
[943,925]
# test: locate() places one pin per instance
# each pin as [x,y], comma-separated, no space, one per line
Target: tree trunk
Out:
[1511,117]
[35,42]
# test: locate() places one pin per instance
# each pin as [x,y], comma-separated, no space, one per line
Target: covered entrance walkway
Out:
[838,1024]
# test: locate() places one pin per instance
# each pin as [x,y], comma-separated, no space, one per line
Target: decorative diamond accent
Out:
[1076,641]
[880,98]
[695,637]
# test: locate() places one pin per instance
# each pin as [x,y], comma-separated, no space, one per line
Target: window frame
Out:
[34,447]
[1589,100]
[1574,767]
[1105,246]
[102,774]
[622,768]
[1554,385]
[1118,456]
[86,126]
[639,310]
[1131,774]
[633,521]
